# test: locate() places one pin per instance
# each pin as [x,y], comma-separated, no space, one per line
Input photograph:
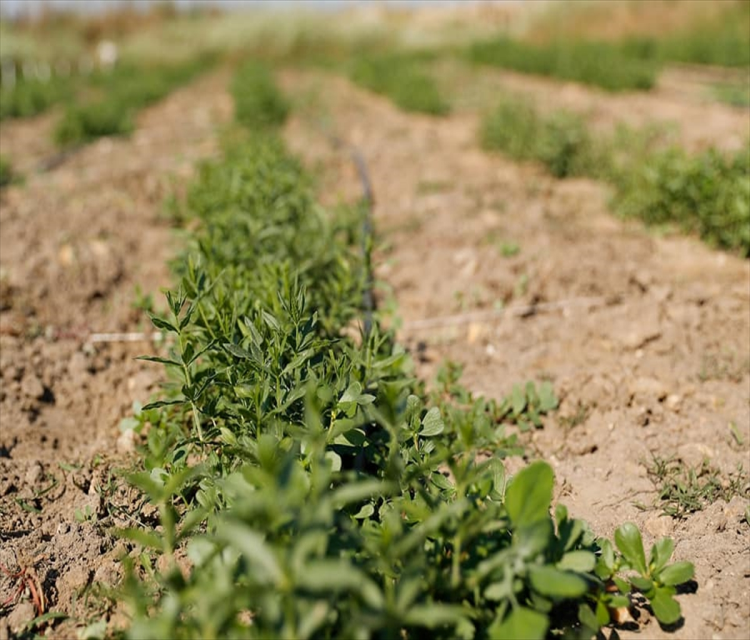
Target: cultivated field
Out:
[445,316]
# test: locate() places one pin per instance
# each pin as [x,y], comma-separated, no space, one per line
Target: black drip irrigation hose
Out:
[366,203]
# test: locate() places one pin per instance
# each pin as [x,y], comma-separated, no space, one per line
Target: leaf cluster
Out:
[258,103]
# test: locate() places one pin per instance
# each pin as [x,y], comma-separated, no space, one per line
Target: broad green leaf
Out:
[643,585]
[666,608]
[320,576]
[252,545]
[559,584]
[677,573]
[529,494]
[352,392]
[365,512]
[581,561]
[432,423]
[434,615]
[629,542]
[588,618]
[661,552]
[521,624]
[547,398]
[518,400]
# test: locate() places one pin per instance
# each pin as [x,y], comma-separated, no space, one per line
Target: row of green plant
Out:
[120,95]
[601,64]
[707,193]
[403,79]
[308,485]
[32,97]
[722,41]
[6,172]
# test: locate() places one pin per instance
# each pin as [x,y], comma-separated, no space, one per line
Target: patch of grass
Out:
[596,63]
[6,172]
[684,490]
[723,40]
[32,97]
[400,78]
[707,194]
[258,102]
[560,141]
[125,91]
[736,95]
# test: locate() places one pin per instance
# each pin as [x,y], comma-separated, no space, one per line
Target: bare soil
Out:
[646,339]
[75,244]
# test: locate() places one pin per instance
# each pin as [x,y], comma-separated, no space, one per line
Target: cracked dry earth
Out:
[646,339]
[75,244]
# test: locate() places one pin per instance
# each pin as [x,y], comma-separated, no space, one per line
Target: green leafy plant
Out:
[308,486]
[32,97]
[597,63]
[560,141]
[258,102]
[125,91]
[400,78]
[708,194]
[6,172]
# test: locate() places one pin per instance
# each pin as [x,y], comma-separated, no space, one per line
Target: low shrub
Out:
[32,97]
[125,91]
[6,172]
[707,194]
[596,63]
[560,141]
[258,102]
[400,78]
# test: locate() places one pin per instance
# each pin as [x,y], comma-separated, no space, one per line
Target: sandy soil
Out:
[646,339]
[75,243]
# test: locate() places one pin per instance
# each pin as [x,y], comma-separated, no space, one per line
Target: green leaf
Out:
[432,423]
[629,542]
[677,573]
[518,400]
[581,561]
[365,512]
[547,399]
[238,351]
[166,361]
[521,624]
[644,585]
[162,324]
[666,608]
[434,615]
[252,545]
[559,584]
[143,538]
[529,494]
[320,576]
[161,403]
[661,552]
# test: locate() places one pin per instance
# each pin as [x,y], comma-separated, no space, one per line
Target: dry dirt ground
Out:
[75,244]
[646,339]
